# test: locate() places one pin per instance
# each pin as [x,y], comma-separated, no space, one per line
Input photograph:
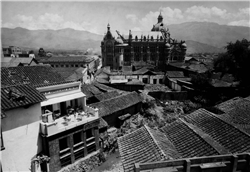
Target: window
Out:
[90,141]
[62,65]
[76,65]
[78,145]
[154,81]
[52,65]
[67,65]
[72,65]
[145,80]
[63,143]
[160,81]
[65,154]
[56,65]
[77,137]
[89,133]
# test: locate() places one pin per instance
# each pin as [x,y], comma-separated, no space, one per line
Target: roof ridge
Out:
[117,96]
[156,142]
[228,122]
[207,138]
[221,119]
[129,133]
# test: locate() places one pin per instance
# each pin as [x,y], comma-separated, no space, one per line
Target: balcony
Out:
[51,127]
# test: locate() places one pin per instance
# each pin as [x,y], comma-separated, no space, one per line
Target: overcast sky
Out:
[122,16]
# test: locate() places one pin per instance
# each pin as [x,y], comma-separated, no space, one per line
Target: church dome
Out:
[119,40]
[159,27]
[167,45]
[184,45]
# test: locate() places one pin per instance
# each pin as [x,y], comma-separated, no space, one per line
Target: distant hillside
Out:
[197,47]
[209,33]
[200,37]
[51,39]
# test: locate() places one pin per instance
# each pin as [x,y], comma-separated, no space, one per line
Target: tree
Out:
[41,52]
[201,80]
[235,61]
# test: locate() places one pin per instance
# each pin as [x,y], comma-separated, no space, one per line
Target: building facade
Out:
[47,117]
[154,47]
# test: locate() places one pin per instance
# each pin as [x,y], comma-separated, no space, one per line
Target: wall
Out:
[113,120]
[21,137]
[54,149]
[86,164]
[176,95]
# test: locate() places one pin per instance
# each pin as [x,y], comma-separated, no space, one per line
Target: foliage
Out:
[41,52]
[201,80]
[235,61]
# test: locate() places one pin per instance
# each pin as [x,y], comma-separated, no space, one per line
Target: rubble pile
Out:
[156,114]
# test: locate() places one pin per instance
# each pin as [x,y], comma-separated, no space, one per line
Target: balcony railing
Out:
[50,127]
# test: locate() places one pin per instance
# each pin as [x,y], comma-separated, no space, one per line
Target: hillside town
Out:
[143,104]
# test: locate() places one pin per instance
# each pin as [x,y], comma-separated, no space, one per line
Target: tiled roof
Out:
[164,144]
[143,71]
[228,105]
[105,88]
[143,145]
[21,95]
[247,98]
[70,74]
[175,74]
[237,112]
[186,141]
[14,62]
[90,90]
[37,76]
[107,95]
[102,123]
[102,81]
[118,103]
[83,58]
[230,137]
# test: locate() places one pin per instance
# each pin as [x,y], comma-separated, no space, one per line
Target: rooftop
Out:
[230,137]
[199,134]
[19,96]
[37,76]
[82,58]
[70,73]
[236,111]
[144,145]
[175,74]
[107,95]
[118,103]
[186,141]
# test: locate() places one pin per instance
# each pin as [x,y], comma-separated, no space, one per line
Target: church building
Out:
[153,48]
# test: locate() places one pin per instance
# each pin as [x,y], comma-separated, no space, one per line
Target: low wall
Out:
[174,95]
[85,164]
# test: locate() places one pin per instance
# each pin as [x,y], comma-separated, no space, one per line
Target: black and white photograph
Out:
[125,86]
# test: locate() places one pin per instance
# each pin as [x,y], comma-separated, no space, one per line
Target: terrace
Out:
[65,108]
[50,126]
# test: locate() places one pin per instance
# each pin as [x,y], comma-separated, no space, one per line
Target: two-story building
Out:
[46,123]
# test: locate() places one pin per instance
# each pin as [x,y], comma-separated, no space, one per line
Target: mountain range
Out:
[200,37]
